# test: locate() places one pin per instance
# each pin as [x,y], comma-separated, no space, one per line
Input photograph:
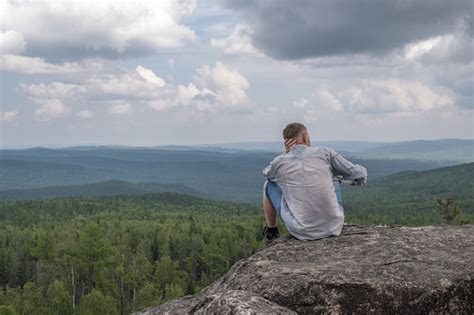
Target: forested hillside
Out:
[409,198]
[105,188]
[117,254]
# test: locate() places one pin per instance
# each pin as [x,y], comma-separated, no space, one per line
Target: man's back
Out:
[309,205]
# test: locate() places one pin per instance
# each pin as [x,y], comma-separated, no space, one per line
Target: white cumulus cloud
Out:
[11,42]
[227,84]
[36,65]
[301,103]
[75,29]
[327,98]
[377,97]
[149,76]
[141,84]
[216,88]
[457,46]
[238,42]
[385,96]
[8,116]
[52,90]
[51,108]
[86,114]
[120,108]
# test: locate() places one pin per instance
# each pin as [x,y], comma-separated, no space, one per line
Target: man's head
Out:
[297,132]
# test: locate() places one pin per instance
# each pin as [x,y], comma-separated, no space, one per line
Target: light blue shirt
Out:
[309,204]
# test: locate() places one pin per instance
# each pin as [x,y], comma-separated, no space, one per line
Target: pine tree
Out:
[449,209]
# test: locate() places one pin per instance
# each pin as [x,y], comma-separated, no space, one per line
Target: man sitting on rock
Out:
[301,187]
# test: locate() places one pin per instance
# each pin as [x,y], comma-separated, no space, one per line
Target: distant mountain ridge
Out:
[222,175]
[443,149]
[454,150]
[347,146]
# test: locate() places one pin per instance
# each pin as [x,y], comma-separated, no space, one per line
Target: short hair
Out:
[293,130]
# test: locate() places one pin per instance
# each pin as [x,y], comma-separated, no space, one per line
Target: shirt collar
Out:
[298,148]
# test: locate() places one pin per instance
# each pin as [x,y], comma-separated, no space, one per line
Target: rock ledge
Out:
[367,269]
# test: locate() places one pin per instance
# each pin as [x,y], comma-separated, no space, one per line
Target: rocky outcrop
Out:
[367,269]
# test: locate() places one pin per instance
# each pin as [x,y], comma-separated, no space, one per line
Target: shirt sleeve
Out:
[347,169]
[270,171]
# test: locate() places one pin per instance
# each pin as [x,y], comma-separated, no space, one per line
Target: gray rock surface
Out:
[367,269]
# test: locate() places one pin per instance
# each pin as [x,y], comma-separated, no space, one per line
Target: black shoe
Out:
[270,234]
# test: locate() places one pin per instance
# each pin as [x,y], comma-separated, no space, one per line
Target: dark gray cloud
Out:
[314,28]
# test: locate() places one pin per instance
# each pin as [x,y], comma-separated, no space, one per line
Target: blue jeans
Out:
[273,192]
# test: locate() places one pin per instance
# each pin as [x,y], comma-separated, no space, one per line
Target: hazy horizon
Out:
[46,145]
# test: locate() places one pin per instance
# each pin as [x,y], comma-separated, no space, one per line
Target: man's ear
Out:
[306,138]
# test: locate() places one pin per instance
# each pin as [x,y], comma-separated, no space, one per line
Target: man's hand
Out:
[359,181]
[289,143]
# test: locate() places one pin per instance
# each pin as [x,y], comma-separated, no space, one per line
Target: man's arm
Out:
[347,169]
[270,171]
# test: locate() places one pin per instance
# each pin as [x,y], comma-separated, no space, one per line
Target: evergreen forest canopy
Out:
[410,197]
[110,255]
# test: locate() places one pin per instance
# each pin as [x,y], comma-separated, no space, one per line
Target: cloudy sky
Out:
[187,72]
